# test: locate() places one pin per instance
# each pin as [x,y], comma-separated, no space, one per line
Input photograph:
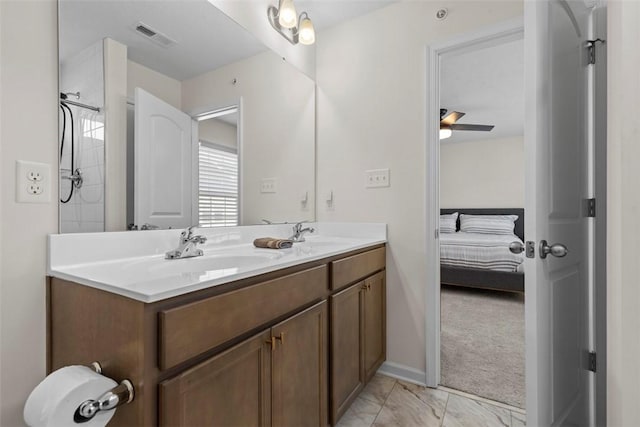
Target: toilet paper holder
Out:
[121,394]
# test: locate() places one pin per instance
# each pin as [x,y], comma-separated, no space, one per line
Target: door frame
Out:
[221,108]
[486,37]
[494,35]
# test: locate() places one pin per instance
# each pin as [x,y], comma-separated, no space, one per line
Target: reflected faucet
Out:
[187,245]
[298,232]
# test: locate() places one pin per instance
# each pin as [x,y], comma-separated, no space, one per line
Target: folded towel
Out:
[272,243]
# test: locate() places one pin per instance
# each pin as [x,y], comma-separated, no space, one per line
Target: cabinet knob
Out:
[272,341]
[281,337]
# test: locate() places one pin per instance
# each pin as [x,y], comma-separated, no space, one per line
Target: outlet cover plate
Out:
[33,182]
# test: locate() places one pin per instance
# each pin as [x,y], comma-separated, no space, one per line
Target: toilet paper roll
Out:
[54,401]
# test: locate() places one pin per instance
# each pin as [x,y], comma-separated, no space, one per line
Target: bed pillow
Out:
[488,224]
[448,223]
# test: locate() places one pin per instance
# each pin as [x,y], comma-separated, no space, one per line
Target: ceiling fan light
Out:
[445,133]
[307,34]
[287,15]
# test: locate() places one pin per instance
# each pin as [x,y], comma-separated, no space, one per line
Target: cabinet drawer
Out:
[356,267]
[192,329]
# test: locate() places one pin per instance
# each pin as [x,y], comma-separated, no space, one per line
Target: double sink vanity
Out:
[238,336]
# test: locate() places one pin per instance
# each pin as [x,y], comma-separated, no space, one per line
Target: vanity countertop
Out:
[132,264]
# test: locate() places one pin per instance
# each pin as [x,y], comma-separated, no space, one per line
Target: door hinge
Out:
[591,49]
[590,208]
[592,366]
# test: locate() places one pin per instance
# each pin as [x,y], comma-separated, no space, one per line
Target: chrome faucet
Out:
[187,245]
[298,233]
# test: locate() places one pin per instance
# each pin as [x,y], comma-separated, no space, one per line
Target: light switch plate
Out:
[269,185]
[33,182]
[377,178]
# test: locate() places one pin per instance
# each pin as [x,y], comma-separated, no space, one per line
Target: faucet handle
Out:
[298,225]
[198,239]
[188,233]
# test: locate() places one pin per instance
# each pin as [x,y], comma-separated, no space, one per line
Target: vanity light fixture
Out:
[445,133]
[293,27]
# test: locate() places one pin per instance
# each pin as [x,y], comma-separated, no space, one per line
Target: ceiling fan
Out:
[448,124]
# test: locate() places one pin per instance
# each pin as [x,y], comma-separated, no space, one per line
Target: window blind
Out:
[218,185]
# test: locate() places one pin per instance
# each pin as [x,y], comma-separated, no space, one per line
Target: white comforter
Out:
[483,251]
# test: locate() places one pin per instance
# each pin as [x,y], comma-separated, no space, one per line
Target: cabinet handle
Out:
[272,341]
[281,337]
[364,287]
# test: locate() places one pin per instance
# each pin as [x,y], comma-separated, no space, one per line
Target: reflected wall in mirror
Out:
[180,117]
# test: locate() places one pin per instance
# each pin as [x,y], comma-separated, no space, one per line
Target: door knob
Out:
[516,247]
[558,250]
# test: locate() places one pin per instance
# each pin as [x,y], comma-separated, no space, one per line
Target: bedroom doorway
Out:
[565,171]
[482,336]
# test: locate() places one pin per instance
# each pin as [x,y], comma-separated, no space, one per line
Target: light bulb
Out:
[287,15]
[307,34]
[445,133]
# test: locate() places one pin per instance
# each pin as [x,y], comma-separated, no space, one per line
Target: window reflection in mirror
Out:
[218,143]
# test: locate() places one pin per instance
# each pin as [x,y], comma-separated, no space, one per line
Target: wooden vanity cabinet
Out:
[291,347]
[230,389]
[374,324]
[277,377]
[299,363]
[358,329]
[347,373]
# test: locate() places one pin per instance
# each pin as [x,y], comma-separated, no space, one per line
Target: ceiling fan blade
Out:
[482,128]
[451,118]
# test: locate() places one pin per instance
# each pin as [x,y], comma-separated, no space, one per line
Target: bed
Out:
[503,273]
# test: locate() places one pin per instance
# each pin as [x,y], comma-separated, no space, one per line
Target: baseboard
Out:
[402,372]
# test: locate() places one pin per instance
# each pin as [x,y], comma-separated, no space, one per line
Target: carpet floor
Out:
[482,343]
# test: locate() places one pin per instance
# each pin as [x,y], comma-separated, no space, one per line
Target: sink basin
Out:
[211,262]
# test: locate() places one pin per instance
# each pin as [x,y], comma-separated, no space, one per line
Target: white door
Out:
[557,288]
[163,187]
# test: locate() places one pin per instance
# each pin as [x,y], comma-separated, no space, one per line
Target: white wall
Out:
[623,211]
[276,126]
[371,76]
[28,131]
[218,132]
[157,84]
[115,86]
[482,174]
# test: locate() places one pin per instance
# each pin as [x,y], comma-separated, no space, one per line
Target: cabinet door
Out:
[347,373]
[230,389]
[299,394]
[375,324]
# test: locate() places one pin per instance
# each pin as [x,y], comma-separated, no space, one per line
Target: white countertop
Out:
[132,264]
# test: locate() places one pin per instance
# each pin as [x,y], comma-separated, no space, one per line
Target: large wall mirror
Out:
[172,114]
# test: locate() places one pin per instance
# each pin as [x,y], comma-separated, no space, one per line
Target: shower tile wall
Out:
[84,72]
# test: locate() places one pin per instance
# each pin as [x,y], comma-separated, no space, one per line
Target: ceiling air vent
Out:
[155,36]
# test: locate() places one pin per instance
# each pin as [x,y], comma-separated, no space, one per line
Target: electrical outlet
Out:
[35,189]
[33,182]
[34,175]
[377,178]
[269,185]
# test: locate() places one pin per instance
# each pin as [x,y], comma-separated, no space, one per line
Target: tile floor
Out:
[389,402]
